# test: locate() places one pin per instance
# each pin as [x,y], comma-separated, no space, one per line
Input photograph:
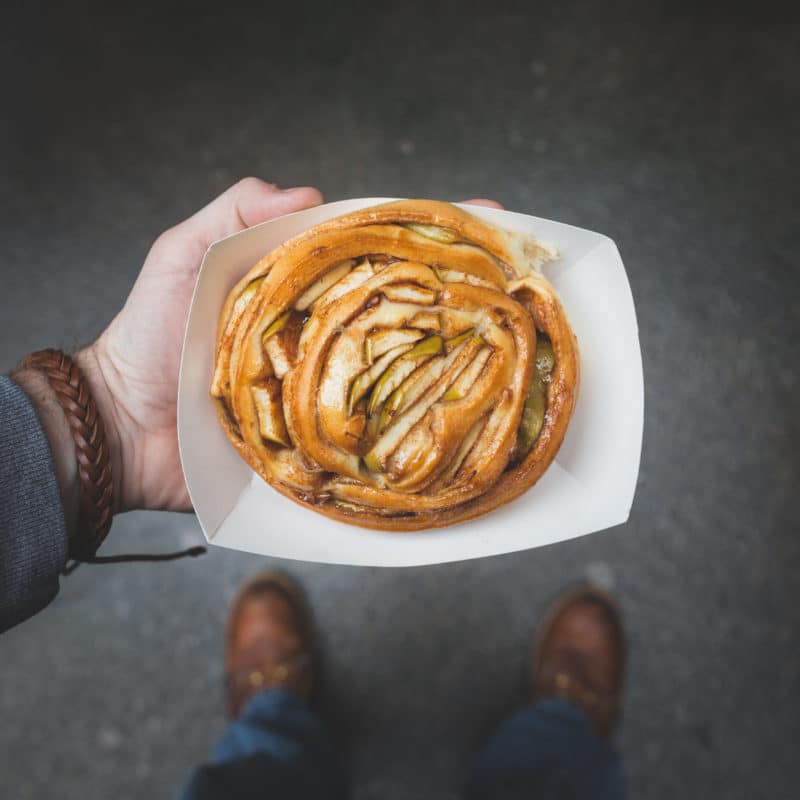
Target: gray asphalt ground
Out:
[673,130]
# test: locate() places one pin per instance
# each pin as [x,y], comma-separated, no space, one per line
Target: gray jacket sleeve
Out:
[33,537]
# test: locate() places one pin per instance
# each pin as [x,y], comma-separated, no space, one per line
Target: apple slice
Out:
[419,380]
[418,383]
[246,296]
[361,274]
[383,340]
[362,384]
[446,478]
[383,448]
[462,386]
[530,425]
[280,342]
[326,282]
[276,327]
[268,402]
[545,357]
[426,321]
[435,232]
[409,293]
[454,276]
[461,337]
[429,388]
[401,369]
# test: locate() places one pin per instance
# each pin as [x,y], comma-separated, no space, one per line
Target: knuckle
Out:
[250,184]
[164,240]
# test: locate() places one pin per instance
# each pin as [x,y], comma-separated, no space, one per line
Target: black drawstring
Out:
[72,565]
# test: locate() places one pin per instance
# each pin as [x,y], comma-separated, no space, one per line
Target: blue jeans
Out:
[279,748]
[547,751]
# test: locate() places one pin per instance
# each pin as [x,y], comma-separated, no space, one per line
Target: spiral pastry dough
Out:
[402,367]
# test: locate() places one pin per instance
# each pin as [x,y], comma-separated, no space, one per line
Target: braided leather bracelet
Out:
[91,450]
[94,460]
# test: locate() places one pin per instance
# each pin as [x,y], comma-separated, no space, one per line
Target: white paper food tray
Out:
[589,486]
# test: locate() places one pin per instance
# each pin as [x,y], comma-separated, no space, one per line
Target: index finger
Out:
[482,201]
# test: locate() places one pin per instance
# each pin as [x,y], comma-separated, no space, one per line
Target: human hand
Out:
[133,367]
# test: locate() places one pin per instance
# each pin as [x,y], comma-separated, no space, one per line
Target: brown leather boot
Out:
[579,654]
[268,640]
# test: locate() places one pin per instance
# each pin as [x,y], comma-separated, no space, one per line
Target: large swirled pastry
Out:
[402,367]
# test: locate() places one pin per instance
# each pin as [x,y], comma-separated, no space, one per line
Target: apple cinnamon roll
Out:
[406,366]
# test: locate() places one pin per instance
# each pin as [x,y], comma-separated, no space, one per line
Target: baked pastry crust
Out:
[402,367]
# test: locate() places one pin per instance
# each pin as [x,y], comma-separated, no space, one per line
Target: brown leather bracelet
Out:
[91,449]
[94,462]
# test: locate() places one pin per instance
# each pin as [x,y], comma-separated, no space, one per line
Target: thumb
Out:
[244,204]
[247,203]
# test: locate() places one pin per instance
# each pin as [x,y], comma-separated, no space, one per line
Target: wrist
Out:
[97,372]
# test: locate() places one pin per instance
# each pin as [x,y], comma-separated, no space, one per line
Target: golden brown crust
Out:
[375,368]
